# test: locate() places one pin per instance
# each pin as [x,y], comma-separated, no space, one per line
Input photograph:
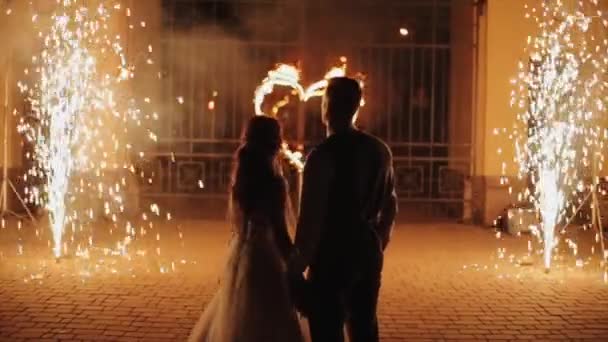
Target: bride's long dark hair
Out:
[258,189]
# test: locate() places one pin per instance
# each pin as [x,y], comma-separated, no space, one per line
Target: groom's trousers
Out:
[345,294]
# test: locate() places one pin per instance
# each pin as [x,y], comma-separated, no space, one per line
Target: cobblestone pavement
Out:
[441,282]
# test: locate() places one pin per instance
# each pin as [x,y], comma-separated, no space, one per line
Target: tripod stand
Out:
[7,185]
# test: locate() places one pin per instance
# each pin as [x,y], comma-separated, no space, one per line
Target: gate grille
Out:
[215,53]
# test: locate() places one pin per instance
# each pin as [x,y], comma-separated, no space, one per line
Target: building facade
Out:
[437,86]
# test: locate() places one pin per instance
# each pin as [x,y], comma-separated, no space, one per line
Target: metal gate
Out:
[215,53]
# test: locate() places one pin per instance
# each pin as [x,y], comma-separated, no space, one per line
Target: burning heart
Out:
[289,76]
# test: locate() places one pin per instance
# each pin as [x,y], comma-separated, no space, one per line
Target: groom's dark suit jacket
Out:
[348,179]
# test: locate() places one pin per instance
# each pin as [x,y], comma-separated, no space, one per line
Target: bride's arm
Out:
[281,230]
[282,237]
[235,217]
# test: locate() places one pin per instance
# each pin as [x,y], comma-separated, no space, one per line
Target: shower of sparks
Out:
[81,125]
[289,76]
[560,98]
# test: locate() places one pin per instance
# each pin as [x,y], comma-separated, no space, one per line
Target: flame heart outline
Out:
[287,75]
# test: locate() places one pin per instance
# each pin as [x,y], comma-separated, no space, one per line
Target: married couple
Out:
[347,212]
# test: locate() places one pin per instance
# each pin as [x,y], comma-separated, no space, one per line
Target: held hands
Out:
[295,262]
[298,285]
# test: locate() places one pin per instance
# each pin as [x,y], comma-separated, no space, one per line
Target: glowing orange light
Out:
[289,76]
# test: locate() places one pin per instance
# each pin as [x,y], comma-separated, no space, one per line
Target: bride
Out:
[253,303]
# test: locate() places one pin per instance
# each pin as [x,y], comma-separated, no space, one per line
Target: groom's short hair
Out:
[344,97]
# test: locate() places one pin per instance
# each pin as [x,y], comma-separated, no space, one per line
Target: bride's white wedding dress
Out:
[252,303]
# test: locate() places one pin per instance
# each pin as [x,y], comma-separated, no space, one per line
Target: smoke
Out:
[215,69]
[224,63]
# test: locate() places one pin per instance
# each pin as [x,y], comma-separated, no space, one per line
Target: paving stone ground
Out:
[441,282]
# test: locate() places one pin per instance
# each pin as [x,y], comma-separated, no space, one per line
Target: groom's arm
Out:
[313,209]
[388,211]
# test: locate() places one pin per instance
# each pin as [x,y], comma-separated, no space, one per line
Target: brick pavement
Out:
[441,282]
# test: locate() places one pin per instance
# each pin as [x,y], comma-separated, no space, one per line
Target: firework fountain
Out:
[560,97]
[81,125]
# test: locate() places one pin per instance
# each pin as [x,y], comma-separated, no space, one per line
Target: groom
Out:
[347,212]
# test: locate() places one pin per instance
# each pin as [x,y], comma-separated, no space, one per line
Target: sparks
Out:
[77,111]
[559,97]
